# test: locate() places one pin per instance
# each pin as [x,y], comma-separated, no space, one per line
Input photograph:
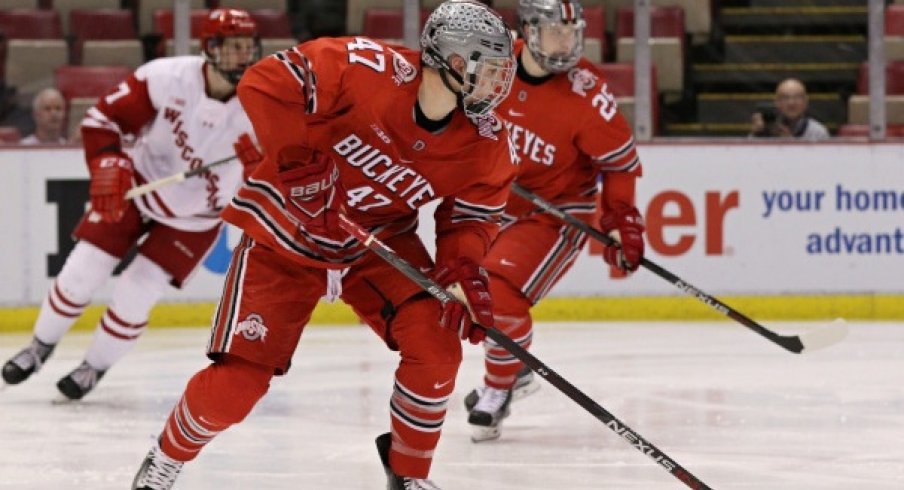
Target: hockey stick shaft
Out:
[790,343]
[173,179]
[609,420]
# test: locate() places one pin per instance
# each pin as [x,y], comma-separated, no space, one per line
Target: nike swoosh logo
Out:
[515,113]
[437,386]
[507,262]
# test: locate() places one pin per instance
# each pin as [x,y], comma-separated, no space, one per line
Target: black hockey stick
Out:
[808,341]
[172,179]
[444,296]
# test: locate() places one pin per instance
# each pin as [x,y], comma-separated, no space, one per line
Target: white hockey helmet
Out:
[536,15]
[478,35]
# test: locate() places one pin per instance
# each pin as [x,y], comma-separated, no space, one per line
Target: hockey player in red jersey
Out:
[566,131]
[356,126]
[184,112]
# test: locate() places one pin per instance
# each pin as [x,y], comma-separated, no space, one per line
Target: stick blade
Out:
[825,336]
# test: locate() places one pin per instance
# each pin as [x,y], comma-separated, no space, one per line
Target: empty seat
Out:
[146,9]
[88,81]
[254,4]
[698,15]
[125,52]
[81,86]
[31,24]
[105,37]
[163,25]
[620,78]
[858,109]
[862,130]
[272,23]
[667,49]
[64,7]
[9,134]
[664,22]
[894,78]
[20,4]
[387,23]
[30,62]
[103,24]
[894,33]
[595,48]
[163,22]
[354,18]
[894,20]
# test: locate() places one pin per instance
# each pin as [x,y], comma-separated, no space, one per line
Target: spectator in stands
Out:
[49,113]
[788,119]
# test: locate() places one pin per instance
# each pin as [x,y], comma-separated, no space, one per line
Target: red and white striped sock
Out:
[218,396]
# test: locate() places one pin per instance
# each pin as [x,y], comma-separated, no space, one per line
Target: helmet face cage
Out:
[535,15]
[480,38]
[226,23]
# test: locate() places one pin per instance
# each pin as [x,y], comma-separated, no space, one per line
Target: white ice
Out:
[732,408]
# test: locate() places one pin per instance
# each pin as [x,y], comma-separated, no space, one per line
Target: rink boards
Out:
[787,230]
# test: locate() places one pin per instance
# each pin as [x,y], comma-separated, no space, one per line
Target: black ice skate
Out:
[486,416]
[27,362]
[394,481]
[525,384]
[79,382]
[157,472]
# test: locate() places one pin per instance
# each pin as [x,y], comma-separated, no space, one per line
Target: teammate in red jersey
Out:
[567,131]
[184,112]
[355,126]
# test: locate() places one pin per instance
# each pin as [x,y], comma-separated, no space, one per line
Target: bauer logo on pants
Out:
[252,328]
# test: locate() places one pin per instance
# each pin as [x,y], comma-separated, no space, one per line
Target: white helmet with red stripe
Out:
[553,31]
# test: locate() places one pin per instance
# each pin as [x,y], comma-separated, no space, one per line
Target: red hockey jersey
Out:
[565,130]
[353,98]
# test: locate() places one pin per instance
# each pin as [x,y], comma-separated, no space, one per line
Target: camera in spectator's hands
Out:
[768,111]
[766,120]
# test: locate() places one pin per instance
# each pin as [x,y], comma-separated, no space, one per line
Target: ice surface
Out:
[732,408]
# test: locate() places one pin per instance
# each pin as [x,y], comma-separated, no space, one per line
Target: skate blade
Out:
[482,434]
[526,390]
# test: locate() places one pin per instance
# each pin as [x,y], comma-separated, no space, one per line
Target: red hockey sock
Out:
[216,397]
[423,383]
[512,314]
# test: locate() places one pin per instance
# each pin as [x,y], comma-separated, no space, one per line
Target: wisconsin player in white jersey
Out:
[568,132]
[184,113]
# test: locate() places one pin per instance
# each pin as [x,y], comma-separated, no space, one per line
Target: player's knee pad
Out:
[86,270]
[230,387]
[511,309]
[419,336]
[138,288]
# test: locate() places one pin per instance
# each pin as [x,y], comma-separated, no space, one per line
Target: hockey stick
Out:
[815,339]
[173,179]
[444,296]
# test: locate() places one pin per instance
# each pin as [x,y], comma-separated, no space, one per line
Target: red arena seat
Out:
[88,81]
[387,23]
[31,24]
[163,22]
[103,24]
[894,78]
[894,20]
[272,23]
